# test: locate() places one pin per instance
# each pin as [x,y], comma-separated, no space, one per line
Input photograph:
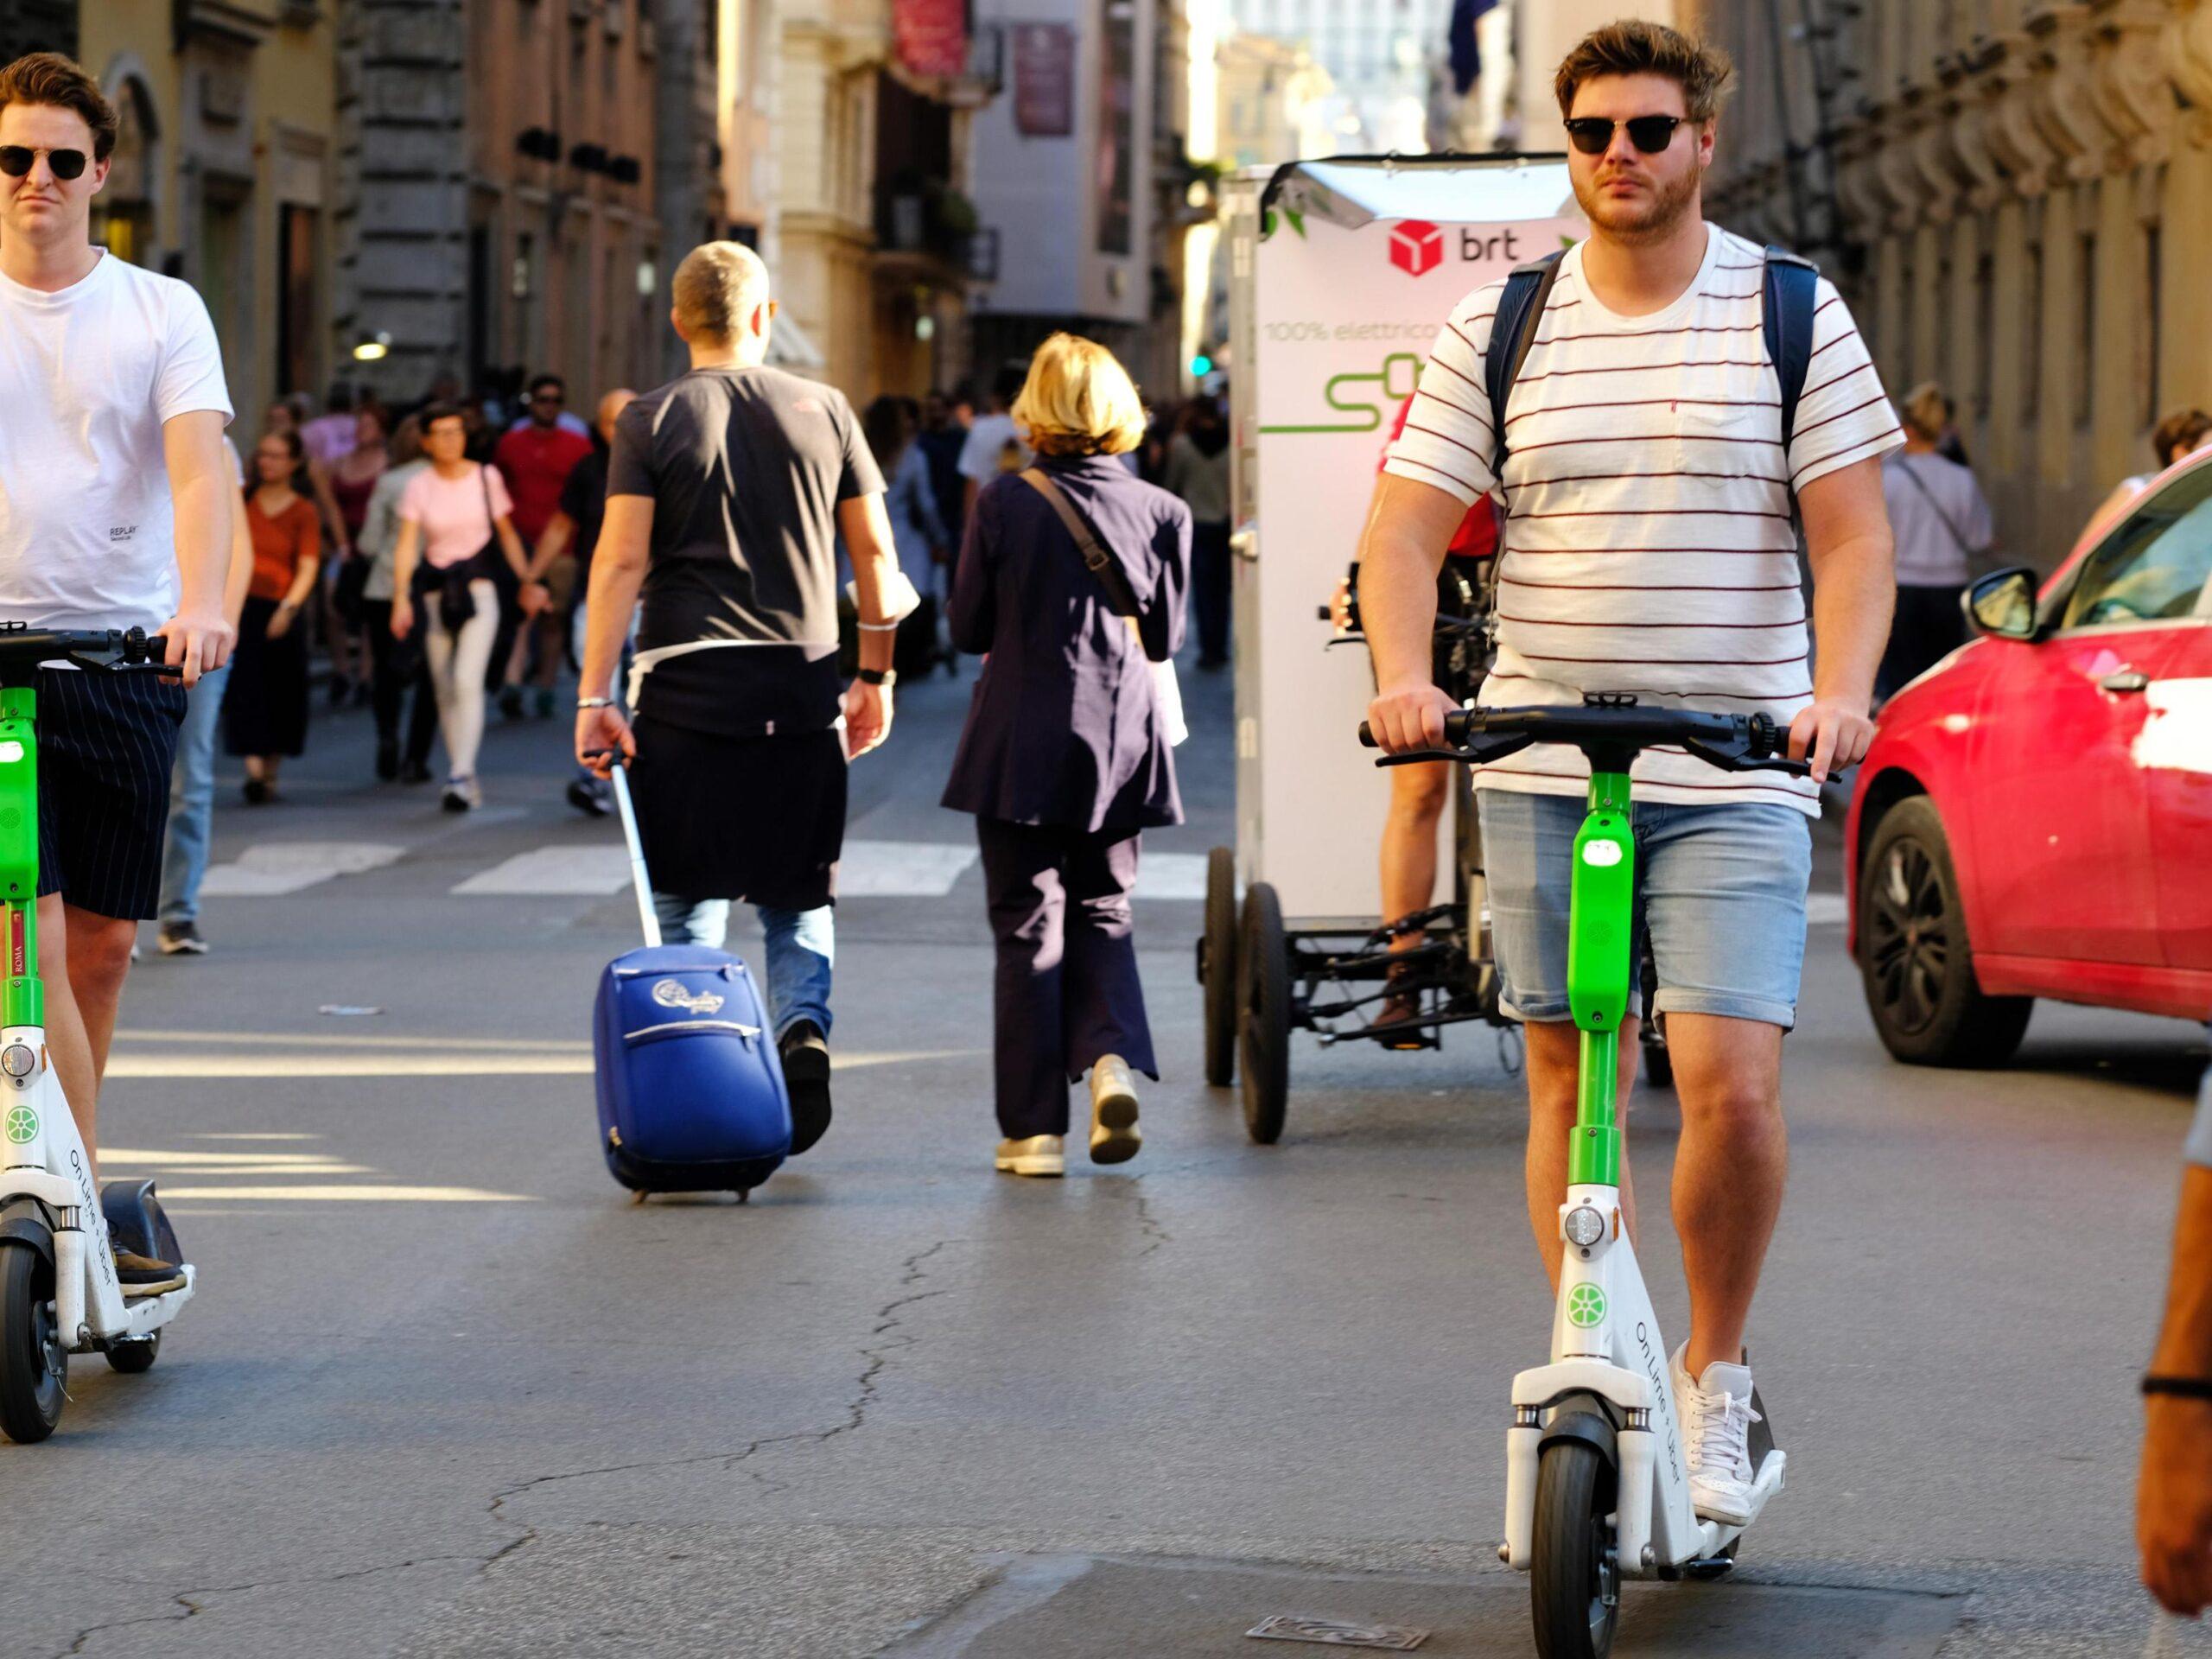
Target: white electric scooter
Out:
[1597,1486]
[58,1293]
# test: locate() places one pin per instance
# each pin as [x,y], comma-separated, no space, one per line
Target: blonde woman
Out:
[1066,759]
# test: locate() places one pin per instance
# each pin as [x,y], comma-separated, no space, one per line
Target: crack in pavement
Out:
[877,1357]
[1147,1224]
[192,1609]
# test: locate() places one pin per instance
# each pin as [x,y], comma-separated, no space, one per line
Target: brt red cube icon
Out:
[1416,246]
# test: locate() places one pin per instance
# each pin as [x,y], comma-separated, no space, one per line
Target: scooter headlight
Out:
[1585,1226]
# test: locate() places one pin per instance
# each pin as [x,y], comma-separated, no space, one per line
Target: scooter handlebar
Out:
[1731,742]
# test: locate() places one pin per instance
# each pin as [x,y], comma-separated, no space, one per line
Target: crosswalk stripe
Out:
[549,871]
[902,869]
[1172,875]
[268,868]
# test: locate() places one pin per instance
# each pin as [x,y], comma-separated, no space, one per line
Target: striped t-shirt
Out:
[1648,541]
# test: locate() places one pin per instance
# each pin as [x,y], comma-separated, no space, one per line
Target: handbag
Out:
[1121,598]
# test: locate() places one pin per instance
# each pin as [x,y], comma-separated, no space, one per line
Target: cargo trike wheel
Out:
[1218,967]
[1263,1014]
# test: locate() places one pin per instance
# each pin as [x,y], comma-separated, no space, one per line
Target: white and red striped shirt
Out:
[1648,542]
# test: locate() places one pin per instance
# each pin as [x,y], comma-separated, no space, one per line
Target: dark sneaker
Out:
[541,703]
[141,1275]
[510,702]
[414,772]
[595,797]
[180,940]
[806,1075]
[387,759]
[257,792]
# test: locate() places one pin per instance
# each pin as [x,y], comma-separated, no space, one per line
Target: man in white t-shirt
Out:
[115,513]
[995,444]
[1648,549]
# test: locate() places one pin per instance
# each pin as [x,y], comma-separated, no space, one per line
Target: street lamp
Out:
[373,348]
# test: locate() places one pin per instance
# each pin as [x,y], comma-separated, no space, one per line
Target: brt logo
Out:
[1416,246]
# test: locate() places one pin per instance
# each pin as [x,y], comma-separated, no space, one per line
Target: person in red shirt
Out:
[1418,793]
[534,459]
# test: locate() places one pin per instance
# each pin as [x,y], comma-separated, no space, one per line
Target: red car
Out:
[2035,815]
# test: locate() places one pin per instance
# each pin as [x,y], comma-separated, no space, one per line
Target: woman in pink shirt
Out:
[453,520]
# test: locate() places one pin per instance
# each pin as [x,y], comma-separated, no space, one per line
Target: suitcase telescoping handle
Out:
[646,916]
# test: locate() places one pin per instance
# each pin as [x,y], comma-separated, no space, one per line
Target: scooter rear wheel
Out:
[1574,1584]
[33,1364]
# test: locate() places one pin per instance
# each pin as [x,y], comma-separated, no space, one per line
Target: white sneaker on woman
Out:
[1039,1154]
[1115,1136]
[1717,1417]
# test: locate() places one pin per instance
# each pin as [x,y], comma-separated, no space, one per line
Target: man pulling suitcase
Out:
[727,490]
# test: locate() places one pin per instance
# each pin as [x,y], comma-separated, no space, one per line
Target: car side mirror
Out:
[2002,603]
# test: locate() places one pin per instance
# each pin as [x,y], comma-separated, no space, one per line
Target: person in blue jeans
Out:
[192,779]
[801,947]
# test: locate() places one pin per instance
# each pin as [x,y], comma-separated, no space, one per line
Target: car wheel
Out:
[1914,955]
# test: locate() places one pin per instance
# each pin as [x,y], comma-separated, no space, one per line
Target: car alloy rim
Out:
[1909,938]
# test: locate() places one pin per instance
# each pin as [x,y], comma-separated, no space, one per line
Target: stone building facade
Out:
[2014,195]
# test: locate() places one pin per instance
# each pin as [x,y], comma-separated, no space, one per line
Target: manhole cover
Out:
[1393,1638]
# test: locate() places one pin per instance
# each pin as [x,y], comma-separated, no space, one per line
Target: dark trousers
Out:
[1928,626]
[397,665]
[1066,988]
[1210,566]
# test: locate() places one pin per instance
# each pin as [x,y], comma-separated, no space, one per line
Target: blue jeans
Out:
[192,800]
[1720,889]
[802,948]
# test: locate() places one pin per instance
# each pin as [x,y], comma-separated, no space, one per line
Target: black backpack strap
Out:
[1786,310]
[1520,310]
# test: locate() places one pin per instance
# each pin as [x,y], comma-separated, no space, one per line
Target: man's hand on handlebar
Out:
[1407,717]
[1831,733]
[198,641]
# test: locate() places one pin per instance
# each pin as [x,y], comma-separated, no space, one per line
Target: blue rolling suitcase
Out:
[691,1094]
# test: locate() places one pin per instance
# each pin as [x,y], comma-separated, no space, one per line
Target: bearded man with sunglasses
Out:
[1649,549]
[116,497]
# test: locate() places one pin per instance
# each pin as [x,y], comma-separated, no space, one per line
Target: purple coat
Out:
[1062,728]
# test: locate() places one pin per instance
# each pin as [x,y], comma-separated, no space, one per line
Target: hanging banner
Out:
[931,36]
[1044,80]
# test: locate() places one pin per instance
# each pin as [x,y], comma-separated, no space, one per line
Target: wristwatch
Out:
[879,676]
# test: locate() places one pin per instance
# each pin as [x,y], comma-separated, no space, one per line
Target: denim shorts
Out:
[1720,890]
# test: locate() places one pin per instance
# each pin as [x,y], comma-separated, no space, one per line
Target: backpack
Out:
[1785,308]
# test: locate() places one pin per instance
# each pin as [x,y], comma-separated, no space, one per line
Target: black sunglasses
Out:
[16,161]
[1593,135]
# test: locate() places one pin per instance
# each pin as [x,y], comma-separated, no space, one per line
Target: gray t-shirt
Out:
[746,468]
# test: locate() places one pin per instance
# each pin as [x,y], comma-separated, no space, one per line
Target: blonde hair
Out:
[1926,410]
[717,288]
[1079,400]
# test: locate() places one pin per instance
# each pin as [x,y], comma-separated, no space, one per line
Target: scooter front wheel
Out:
[1573,1582]
[33,1365]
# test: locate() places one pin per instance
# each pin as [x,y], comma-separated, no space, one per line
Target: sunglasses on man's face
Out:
[1593,135]
[16,161]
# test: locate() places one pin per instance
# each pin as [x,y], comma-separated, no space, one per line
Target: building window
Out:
[2085,345]
[299,238]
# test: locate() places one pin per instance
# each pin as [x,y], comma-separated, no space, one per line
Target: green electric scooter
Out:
[1597,1489]
[58,1293]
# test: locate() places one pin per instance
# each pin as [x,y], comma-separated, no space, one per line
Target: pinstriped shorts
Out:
[106,743]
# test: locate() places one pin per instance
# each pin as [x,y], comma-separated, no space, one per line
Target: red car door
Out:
[2062,821]
[2177,754]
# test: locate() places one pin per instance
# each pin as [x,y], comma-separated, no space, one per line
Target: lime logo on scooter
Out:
[1585,1306]
[671,994]
[22,1124]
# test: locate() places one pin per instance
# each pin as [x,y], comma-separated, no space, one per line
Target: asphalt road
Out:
[445,1391]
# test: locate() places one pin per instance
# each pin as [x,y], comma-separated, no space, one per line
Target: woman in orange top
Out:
[265,709]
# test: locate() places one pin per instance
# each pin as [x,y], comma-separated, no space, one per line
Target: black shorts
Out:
[106,743]
[757,818]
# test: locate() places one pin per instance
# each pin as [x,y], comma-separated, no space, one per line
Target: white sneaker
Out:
[1717,1417]
[1040,1155]
[1115,1136]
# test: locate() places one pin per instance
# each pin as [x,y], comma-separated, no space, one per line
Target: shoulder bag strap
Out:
[1928,496]
[1120,597]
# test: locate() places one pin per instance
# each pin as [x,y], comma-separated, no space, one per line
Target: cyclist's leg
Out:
[1527,843]
[100,961]
[66,1045]
[1417,796]
[1725,897]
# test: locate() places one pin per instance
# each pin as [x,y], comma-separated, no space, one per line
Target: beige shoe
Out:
[1040,1155]
[1115,1137]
